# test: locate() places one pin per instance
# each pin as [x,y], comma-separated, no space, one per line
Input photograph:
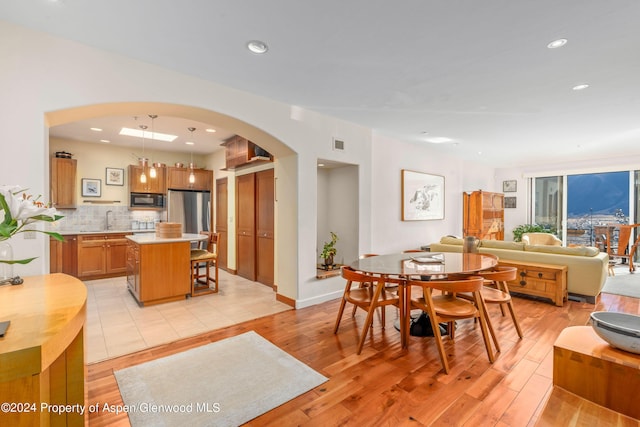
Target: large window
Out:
[583,208]
[595,201]
[548,203]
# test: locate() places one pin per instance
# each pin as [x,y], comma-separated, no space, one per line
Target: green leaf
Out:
[7,211]
[18,261]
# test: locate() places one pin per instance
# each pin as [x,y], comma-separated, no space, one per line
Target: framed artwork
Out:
[114,176]
[510,186]
[422,196]
[91,187]
[509,202]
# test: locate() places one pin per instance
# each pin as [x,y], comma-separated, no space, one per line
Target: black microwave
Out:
[147,200]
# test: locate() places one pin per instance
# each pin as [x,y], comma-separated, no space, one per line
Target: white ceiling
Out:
[477,72]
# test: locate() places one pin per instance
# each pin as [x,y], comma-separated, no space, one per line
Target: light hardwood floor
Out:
[386,385]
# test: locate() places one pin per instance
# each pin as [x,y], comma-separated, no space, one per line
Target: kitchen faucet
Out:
[108,226]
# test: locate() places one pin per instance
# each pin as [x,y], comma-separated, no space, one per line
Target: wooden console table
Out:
[541,280]
[42,352]
[587,366]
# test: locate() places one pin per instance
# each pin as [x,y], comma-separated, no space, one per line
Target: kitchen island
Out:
[158,268]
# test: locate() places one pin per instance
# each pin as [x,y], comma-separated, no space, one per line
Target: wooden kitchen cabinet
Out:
[265,192]
[133,269]
[102,255]
[240,152]
[255,226]
[63,256]
[483,215]
[158,272]
[63,183]
[155,185]
[178,179]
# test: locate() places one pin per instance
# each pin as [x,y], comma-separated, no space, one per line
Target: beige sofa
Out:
[587,266]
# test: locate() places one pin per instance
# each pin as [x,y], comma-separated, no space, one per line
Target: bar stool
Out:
[201,283]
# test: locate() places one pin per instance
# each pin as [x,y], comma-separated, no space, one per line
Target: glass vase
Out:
[6,254]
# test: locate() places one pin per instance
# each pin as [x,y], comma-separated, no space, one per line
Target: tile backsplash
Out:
[93,218]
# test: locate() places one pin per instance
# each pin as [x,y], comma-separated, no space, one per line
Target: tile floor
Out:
[116,325]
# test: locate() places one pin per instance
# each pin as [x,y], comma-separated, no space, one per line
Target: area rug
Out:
[226,383]
[623,284]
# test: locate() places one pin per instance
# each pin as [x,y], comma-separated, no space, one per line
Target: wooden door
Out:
[63,183]
[245,226]
[221,228]
[265,227]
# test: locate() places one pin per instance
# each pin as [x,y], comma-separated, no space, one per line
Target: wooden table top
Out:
[404,264]
[46,314]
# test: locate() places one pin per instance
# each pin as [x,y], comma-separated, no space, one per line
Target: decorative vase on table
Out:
[6,254]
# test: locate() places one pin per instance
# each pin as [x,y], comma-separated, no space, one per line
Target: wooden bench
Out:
[541,280]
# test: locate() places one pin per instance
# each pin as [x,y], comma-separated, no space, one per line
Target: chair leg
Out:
[365,329]
[484,322]
[515,320]
[490,326]
[339,318]
[438,338]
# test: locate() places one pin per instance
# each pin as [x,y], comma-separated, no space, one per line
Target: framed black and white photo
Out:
[509,202]
[422,196]
[114,176]
[91,187]
[510,186]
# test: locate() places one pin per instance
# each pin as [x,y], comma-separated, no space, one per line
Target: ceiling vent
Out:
[338,145]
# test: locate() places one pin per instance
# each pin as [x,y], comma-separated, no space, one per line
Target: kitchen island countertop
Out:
[150,238]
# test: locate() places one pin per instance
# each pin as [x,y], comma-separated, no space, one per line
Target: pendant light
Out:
[152,171]
[192,176]
[143,176]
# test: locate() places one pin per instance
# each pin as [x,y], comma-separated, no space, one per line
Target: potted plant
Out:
[329,250]
[529,228]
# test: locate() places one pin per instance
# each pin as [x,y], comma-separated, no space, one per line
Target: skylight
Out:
[149,135]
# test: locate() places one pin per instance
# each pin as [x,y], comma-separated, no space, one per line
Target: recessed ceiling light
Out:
[320,165]
[189,143]
[96,129]
[106,141]
[210,130]
[557,43]
[256,46]
[581,86]
[149,135]
[438,140]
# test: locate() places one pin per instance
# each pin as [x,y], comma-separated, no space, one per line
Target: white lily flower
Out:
[22,207]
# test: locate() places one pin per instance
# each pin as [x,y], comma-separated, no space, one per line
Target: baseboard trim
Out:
[286,300]
[319,299]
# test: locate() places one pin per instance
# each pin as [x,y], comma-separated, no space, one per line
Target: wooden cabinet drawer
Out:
[539,274]
[539,280]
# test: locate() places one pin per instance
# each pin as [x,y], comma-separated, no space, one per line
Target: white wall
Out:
[389,232]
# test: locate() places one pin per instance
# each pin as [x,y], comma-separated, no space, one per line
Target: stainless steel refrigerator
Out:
[190,208]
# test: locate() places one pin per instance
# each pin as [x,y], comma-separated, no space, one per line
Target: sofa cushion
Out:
[589,251]
[500,244]
[448,240]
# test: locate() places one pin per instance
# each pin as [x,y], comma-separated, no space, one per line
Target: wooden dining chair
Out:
[449,307]
[368,298]
[201,283]
[362,285]
[495,290]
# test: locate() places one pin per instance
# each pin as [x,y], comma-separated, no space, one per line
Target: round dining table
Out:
[420,266]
